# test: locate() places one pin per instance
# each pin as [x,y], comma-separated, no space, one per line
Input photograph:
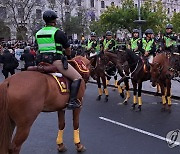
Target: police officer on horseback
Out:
[109,43]
[51,41]
[169,39]
[134,41]
[92,44]
[147,47]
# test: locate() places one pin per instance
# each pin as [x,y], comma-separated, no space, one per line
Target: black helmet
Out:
[108,33]
[49,15]
[93,34]
[149,31]
[169,26]
[135,31]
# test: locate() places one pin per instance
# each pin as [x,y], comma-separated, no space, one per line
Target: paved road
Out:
[105,137]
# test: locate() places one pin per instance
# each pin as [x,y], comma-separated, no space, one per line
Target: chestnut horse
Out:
[24,96]
[161,74]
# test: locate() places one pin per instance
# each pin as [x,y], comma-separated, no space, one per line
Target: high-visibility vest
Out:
[147,46]
[106,44]
[169,42]
[46,40]
[134,43]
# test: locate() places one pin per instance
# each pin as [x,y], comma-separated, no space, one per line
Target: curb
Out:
[143,91]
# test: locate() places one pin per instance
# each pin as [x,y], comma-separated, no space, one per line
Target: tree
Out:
[19,14]
[175,20]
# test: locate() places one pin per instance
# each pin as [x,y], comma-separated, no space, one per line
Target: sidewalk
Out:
[146,87]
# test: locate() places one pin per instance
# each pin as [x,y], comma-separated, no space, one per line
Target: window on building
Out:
[102,4]
[67,16]
[79,2]
[66,2]
[92,3]
[3,13]
[93,16]
[174,10]
[112,3]
[154,9]
[38,14]
[20,12]
[135,5]
[168,11]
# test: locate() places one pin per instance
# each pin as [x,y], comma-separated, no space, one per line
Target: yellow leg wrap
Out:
[76,136]
[123,87]
[169,100]
[59,139]
[165,93]
[127,94]
[115,84]
[139,100]
[119,89]
[134,99]
[100,91]
[106,92]
[163,100]
[158,88]
[107,82]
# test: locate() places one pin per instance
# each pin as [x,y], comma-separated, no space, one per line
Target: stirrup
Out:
[73,105]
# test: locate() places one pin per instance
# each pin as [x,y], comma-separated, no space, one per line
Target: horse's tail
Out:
[5,122]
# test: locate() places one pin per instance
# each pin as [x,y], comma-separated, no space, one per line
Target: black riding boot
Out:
[73,102]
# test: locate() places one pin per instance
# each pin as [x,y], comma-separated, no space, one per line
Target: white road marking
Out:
[138,130]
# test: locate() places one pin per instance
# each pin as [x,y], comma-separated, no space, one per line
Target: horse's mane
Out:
[132,56]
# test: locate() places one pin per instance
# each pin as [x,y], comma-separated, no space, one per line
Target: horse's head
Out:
[155,70]
[82,65]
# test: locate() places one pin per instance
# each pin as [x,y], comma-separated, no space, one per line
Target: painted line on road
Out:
[138,130]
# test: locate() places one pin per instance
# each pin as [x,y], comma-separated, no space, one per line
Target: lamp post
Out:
[139,21]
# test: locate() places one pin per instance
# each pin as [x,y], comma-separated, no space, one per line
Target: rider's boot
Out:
[73,101]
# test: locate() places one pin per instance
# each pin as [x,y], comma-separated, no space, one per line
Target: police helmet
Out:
[149,31]
[169,26]
[93,34]
[135,31]
[49,15]
[108,33]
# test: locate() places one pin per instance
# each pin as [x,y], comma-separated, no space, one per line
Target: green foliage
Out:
[176,22]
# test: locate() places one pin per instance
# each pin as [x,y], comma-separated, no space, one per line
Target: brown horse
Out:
[134,68]
[161,74]
[23,96]
[98,74]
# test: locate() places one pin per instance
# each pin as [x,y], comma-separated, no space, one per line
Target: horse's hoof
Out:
[62,148]
[80,147]
[106,99]
[139,108]
[134,106]
[98,98]
[125,103]
[122,94]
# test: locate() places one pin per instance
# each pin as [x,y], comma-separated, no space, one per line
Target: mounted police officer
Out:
[147,47]
[92,44]
[134,41]
[109,43]
[51,42]
[170,39]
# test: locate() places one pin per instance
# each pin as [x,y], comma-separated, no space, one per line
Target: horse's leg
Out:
[61,123]
[139,95]
[163,96]
[107,80]
[120,90]
[158,90]
[126,82]
[99,89]
[79,146]
[168,94]
[22,132]
[103,78]
[134,94]
[115,83]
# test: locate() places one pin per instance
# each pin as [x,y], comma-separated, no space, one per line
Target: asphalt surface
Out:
[104,137]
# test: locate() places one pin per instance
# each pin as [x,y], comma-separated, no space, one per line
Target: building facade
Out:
[29,18]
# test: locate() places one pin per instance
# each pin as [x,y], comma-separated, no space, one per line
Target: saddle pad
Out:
[81,66]
[62,84]
[93,54]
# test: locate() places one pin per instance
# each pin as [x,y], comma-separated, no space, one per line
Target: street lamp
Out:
[139,21]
